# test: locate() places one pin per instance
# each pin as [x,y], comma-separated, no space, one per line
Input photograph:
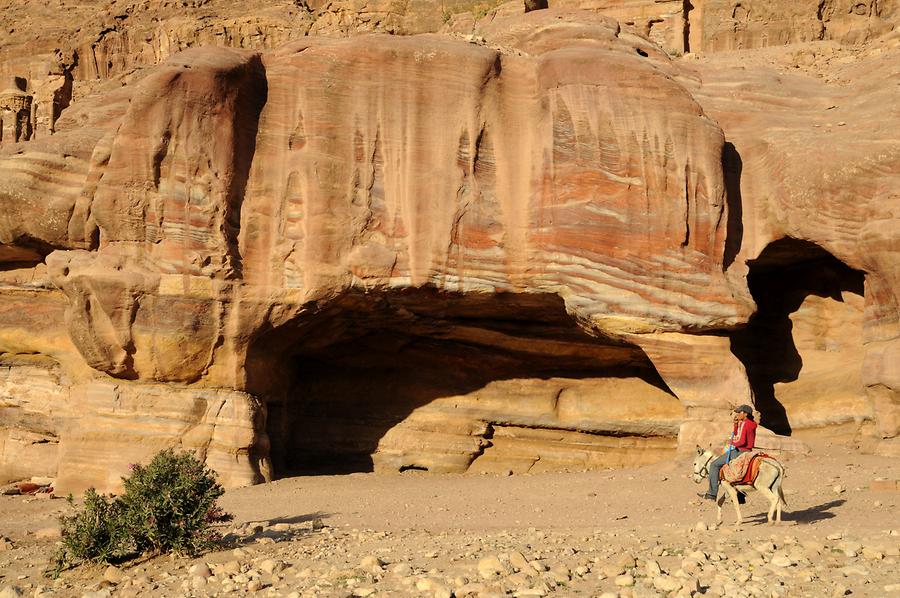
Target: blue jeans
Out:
[714,468]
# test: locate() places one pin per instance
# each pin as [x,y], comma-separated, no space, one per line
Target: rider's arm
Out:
[741,442]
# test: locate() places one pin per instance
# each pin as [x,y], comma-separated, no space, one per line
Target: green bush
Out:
[168,505]
[96,533]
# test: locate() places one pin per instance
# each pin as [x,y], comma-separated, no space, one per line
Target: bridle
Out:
[704,471]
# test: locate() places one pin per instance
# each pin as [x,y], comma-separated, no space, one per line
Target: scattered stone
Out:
[560,574]
[781,560]
[872,553]
[490,567]
[113,575]
[665,583]
[200,570]
[518,560]
[11,592]
[401,570]
[271,566]
[624,581]
[371,562]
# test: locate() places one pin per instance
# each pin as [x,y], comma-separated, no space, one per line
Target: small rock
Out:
[839,489]
[701,527]
[271,566]
[560,574]
[518,560]
[371,562]
[666,584]
[362,592]
[401,570]
[872,553]
[781,560]
[490,567]
[624,581]
[200,570]
[113,574]
[11,592]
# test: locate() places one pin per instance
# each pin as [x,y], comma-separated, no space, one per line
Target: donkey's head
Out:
[701,465]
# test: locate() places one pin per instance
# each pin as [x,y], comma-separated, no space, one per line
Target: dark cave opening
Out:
[781,279]
[337,379]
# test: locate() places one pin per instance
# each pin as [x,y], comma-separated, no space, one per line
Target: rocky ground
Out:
[627,533]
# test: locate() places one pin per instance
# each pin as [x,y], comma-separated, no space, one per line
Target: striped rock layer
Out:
[391,252]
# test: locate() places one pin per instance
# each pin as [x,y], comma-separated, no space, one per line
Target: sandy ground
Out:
[436,531]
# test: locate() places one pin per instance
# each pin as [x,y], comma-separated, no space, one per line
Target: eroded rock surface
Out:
[532,249]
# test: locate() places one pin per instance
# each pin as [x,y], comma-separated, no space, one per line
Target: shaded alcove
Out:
[785,275]
[338,378]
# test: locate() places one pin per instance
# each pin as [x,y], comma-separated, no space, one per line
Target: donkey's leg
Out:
[773,502]
[780,493]
[720,498]
[729,489]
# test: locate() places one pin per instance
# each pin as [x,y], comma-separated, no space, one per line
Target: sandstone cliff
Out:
[532,248]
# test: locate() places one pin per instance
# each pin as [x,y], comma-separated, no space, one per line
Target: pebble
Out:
[200,570]
[271,566]
[490,567]
[781,560]
[113,574]
[624,581]
[401,570]
[518,560]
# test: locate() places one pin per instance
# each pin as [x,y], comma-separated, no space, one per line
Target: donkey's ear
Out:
[699,450]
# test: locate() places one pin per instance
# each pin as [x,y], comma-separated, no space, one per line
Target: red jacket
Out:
[745,435]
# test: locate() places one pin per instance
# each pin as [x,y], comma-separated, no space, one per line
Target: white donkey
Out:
[768,482]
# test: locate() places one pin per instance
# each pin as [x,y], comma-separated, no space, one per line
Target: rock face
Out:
[390,252]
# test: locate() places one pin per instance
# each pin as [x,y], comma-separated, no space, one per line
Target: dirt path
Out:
[627,533]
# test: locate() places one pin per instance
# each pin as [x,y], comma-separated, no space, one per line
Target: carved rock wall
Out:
[528,242]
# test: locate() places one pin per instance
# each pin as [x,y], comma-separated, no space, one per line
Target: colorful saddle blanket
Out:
[743,469]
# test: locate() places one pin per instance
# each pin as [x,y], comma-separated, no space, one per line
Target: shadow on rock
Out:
[278,529]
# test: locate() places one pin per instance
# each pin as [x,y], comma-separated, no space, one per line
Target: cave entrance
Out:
[803,347]
[423,379]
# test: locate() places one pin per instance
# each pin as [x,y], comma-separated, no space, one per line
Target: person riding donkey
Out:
[743,439]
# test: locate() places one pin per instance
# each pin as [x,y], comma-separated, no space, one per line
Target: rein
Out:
[704,471]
